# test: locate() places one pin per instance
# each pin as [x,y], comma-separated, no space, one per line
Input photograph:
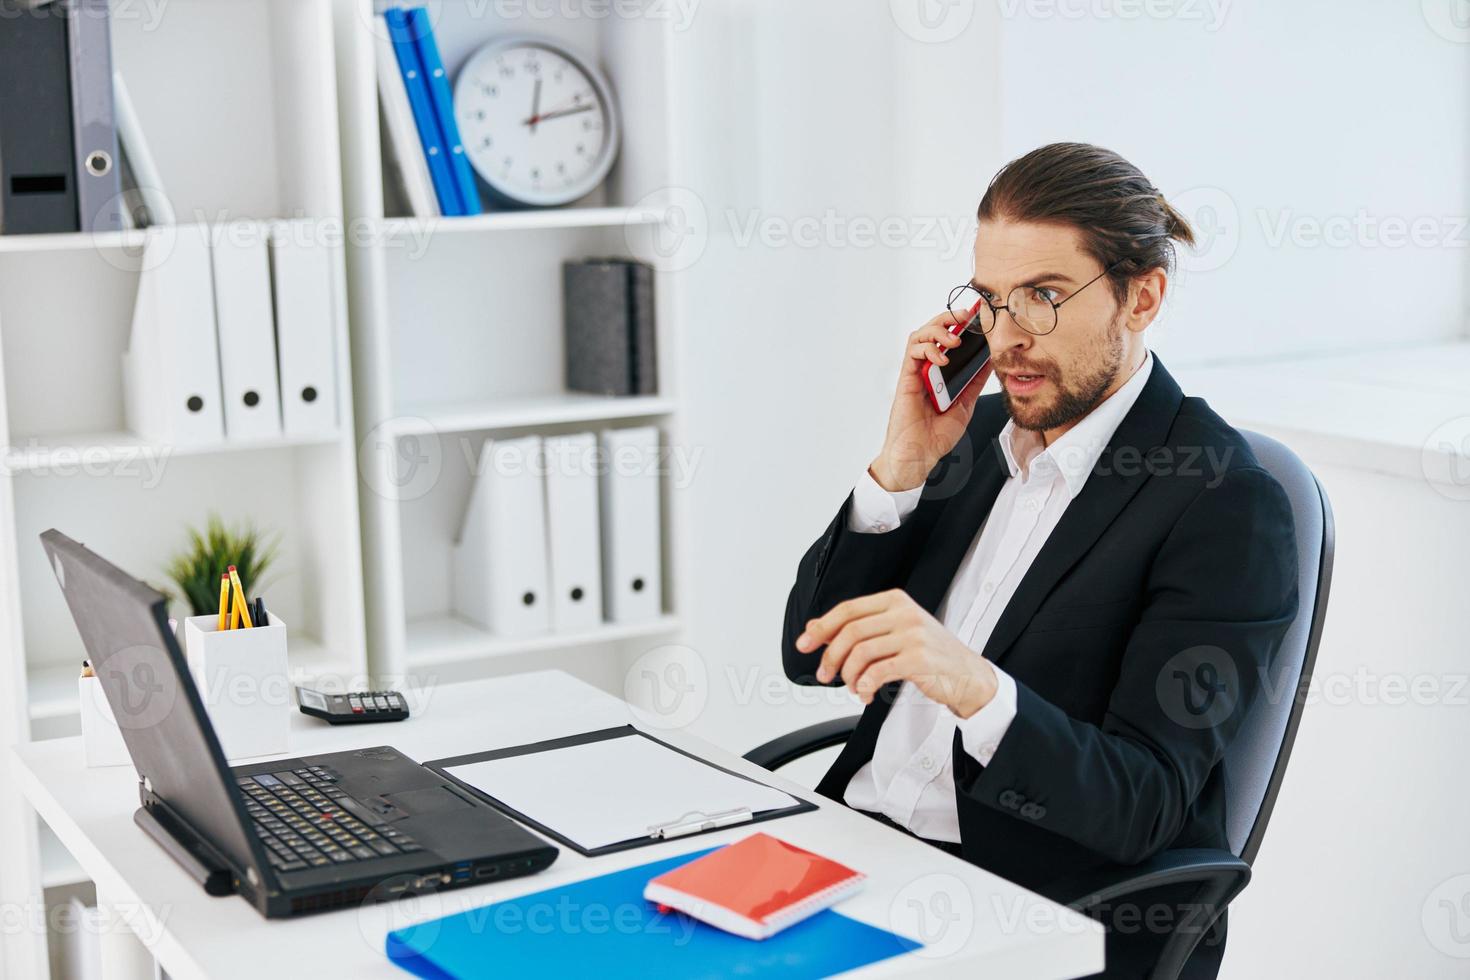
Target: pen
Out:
[713,821]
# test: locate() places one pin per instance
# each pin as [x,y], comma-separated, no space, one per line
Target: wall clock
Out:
[538,122]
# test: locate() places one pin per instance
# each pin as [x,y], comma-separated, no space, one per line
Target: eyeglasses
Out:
[1032,307]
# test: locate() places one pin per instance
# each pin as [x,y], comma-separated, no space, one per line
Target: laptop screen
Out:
[124,627]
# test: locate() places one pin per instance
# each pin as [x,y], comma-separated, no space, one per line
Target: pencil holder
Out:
[244,681]
[102,741]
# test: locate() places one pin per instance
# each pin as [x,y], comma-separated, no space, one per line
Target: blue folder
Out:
[440,172]
[442,100]
[605,928]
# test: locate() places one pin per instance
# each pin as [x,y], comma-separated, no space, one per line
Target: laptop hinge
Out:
[193,853]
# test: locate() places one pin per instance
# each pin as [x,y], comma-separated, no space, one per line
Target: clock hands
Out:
[536,106]
[557,114]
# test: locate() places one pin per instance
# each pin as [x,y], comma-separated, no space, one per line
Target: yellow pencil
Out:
[224,600]
[240,597]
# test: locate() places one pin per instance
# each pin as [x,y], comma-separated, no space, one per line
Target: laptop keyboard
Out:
[299,816]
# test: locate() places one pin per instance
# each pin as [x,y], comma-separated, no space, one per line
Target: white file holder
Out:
[171,374]
[302,281]
[243,678]
[500,577]
[632,542]
[572,532]
[247,331]
[102,741]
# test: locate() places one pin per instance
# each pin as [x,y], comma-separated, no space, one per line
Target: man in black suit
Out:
[1056,602]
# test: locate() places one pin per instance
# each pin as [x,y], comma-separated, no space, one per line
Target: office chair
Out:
[1256,758]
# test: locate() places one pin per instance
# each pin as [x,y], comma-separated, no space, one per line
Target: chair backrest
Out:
[1256,760]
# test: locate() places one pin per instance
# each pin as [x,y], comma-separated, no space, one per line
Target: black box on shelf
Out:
[609,324]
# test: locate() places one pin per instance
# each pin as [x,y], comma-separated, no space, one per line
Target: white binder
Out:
[572,532]
[402,149]
[247,331]
[632,582]
[171,367]
[499,576]
[301,275]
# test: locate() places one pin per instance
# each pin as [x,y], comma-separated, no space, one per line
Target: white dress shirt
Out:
[910,779]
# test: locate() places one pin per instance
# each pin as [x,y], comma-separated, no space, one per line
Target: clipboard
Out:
[673,826]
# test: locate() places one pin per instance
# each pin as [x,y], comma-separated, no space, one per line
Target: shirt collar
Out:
[1078,449]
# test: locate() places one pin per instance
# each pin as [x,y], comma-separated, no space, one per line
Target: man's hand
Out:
[885,637]
[918,436]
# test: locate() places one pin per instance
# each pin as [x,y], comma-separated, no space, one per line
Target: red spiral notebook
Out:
[755,887]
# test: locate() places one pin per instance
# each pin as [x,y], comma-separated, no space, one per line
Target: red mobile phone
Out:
[945,382]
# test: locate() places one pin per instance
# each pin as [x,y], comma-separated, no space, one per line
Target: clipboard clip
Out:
[695,822]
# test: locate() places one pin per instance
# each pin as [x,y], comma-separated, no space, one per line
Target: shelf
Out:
[73,241]
[101,448]
[510,413]
[58,867]
[53,688]
[448,639]
[526,220]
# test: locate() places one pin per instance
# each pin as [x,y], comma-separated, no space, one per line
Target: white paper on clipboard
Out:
[614,789]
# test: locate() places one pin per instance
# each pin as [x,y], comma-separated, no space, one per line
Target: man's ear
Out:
[1146,298]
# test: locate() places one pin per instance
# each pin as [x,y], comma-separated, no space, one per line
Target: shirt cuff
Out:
[981,732]
[875,510]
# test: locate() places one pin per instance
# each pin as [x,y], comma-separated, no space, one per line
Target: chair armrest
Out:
[1226,873]
[804,741]
[1218,877]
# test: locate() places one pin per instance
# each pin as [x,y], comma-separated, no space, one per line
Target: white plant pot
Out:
[244,681]
[102,741]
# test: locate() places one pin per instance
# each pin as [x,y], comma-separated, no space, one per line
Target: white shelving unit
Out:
[457,338]
[238,102]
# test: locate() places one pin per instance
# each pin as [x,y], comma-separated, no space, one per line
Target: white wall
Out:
[1328,138]
[798,117]
[1307,113]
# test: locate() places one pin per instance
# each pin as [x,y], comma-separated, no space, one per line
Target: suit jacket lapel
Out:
[1112,483]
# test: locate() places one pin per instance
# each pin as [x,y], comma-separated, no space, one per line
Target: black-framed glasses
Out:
[1032,307]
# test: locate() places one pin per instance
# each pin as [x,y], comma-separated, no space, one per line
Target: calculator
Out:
[352,709]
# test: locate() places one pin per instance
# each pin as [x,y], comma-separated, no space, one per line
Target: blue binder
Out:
[605,928]
[443,102]
[401,34]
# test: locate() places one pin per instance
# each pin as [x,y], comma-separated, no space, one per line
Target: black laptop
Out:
[291,837]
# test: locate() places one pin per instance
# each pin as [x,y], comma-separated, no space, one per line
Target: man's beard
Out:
[1073,401]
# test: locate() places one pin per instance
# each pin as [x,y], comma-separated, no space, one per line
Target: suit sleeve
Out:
[1220,596]
[842,564]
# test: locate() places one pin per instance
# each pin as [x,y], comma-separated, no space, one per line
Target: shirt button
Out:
[880,526]
[989,586]
[927,762]
[988,748]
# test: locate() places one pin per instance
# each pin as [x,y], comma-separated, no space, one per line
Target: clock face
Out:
[537,124]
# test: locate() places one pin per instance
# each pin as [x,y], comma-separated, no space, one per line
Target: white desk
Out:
[974,922]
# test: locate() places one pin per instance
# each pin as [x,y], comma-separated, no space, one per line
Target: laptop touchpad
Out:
[421,802]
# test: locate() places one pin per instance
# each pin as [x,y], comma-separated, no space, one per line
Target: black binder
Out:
[441,766]
[38,191]
[609,323]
